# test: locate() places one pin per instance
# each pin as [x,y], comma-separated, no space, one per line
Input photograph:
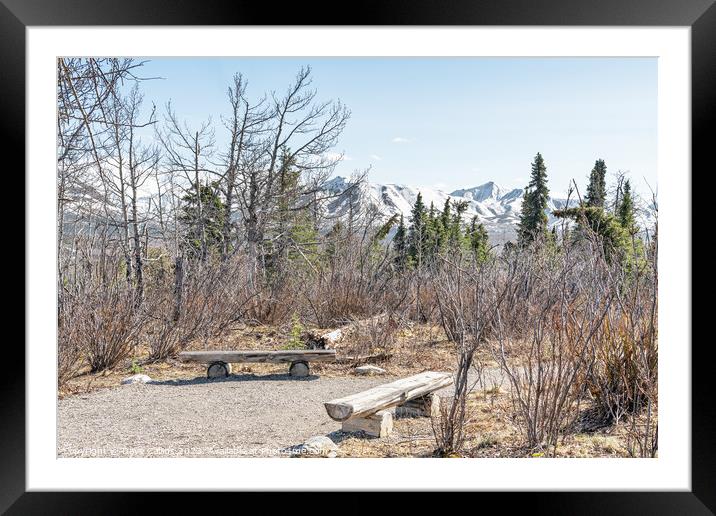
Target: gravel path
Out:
[243,415]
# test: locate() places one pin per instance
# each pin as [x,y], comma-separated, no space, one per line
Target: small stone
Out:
[137,378]
[318,446]
[368,370]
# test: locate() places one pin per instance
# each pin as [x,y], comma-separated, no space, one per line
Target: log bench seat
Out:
[220,361]
[372,411]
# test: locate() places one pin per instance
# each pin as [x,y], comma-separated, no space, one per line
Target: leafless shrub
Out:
[643,436]
[624,378]
[108,326]
[568,295]
[214,295]
[166,334]
[355,281]
[374,336]
[69,352]
[220,295]
[334,297]
[166,338]
[271,305]
[425,305]
[468,296]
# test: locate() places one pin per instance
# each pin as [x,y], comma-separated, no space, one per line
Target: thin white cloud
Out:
[376,157]
[400,139]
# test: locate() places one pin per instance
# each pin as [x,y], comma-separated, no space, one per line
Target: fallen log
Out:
[324,340]
[387,395]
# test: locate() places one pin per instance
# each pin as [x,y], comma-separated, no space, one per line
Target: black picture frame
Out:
[700,15]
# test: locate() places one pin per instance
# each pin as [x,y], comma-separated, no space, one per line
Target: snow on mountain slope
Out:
[482,193]
[499,210]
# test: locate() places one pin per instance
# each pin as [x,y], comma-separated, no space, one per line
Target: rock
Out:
[137,378]
[318,446]
[369,370]
[299,369]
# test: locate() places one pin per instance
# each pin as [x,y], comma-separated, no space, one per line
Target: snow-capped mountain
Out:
[498,209]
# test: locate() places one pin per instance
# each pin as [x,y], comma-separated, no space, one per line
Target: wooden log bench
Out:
[371,411]
[220,361]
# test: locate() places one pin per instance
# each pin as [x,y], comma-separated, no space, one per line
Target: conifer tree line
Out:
[430,232]
[616,226]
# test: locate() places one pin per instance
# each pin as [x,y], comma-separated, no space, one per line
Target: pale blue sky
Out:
[452,122]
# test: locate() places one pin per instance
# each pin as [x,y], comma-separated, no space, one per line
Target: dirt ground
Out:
[244,415]
[261,411]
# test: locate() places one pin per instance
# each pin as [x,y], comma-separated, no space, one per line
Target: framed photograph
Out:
[414,250]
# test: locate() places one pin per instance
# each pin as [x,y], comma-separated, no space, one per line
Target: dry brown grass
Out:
[491,432]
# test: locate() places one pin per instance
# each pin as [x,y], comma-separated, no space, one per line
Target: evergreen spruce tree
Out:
[625,209]
[445,224]
[456,238]
[294,236]
[597,188]
[432,234]
[384,230]
[615,239]
[377,240]
[400,245]
[479,242]
[202,212]
[333,239]
[533,220]
[417,233]
[302,234]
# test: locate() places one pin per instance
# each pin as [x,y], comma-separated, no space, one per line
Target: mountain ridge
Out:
[495,207]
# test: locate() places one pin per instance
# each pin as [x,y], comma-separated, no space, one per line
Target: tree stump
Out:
[299,369]
[218,370]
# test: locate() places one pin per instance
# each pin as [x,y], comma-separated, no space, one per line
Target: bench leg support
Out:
[299,369]
[218,370]
[379,424]
[425,406]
